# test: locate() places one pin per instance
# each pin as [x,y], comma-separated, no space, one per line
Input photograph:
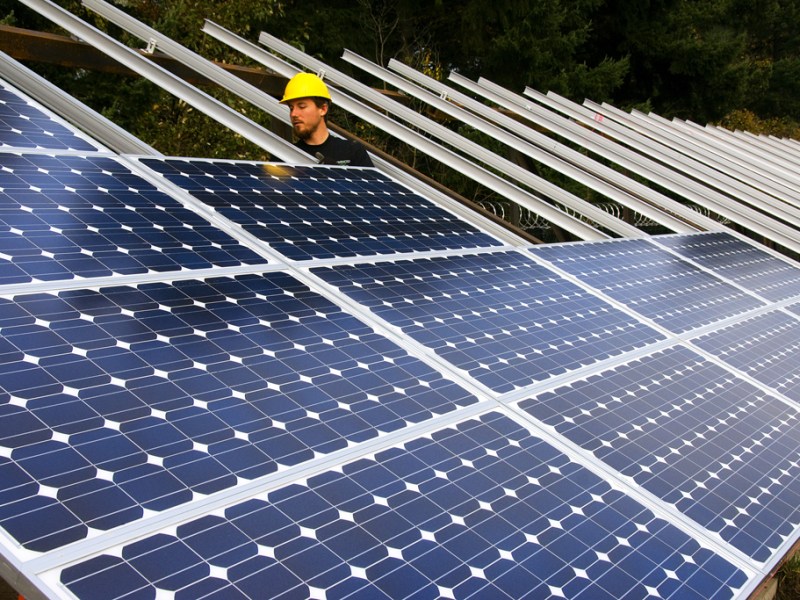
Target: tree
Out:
[687,59]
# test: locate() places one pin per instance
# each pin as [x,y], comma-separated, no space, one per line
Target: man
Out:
[308,100]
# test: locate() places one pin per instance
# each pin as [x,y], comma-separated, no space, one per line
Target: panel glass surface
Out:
[723,452]
[765,347]
[482,509]
[127,399]
[69,216]
[25,125]
[745,264]
[502,318]
[652,282]
[309,212]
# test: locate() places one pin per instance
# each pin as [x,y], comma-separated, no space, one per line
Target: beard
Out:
[305,129]
[302,131]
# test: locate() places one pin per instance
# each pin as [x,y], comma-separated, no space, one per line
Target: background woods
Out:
[732,62]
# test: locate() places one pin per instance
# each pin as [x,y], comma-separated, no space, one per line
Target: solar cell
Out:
[24,124]
[69,216]
[772,278]
[312,212]
[480,509]
[126,399]
[764,347]
[723,452]
[501,318]
[652,282]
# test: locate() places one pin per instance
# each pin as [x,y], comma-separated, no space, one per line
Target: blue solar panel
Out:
[502,318]
[71,216]
[652,282]
[764,347]
[321,212]
[480,510]
[752,268]
[242,436]
[24,125]
[720,450]
[132,398]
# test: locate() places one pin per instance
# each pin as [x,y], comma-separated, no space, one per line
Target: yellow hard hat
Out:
[305,85]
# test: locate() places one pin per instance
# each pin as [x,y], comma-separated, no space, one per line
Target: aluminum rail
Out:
[706,195]
[551,146]
[486,126]
[605,148]
[764,143]
[747,141]
[757,168]
[483,176]
[72,110]
[733,175]
[742,139]
[636,162]
[454,140]
[786,144]
[520,174]
[163,78]
[193,60]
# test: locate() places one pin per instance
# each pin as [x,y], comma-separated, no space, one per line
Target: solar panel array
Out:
[220,379]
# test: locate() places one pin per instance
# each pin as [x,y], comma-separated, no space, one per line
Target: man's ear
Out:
[324,108]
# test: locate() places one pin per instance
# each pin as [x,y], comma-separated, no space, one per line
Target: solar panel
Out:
[752,268]
[501,318]
[763,347]
[673,293]
[479,509]
[720,450]
[467,421]
[25,124]
[80,216]
[141,398]
[313,212]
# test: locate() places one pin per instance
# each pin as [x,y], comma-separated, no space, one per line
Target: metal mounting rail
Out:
[636,162]
[769,183]
[549,160]
[163,78]
[579,135]
[710,183]
[747,139]
[536,145]
[514,193]
[193,60]
[744,141]
[641,163]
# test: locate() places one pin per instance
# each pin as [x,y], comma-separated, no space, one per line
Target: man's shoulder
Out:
[342,151]
[338,151]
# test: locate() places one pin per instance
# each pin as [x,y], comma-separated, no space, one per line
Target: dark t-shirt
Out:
[338,151]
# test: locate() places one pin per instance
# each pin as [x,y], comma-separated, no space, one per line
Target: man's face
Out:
[306,116]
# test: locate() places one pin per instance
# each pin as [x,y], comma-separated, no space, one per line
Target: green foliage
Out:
[789,579]
[538,44]
[728,61]
[745,120]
